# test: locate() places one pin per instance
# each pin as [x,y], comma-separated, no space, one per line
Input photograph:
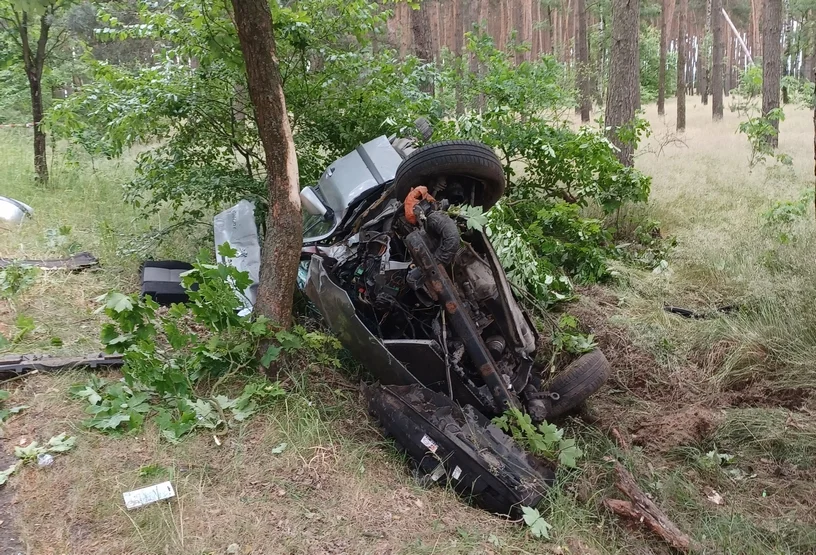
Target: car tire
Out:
[474,161]
[425,128]
[577,382]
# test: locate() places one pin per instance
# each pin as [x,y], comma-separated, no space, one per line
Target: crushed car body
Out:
[421,300]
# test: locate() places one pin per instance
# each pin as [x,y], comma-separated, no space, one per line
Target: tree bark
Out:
[547,40]
[582,68]
[704,69]
[681,66]
[644,510]
[283,238]
[34,62]
[717,67]
[624,80]
[423,41]
[661,71]
[729,55]
[771,62]
[527,26]
[458,43]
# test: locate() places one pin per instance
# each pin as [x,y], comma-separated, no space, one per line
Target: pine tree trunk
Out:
[527,26]
[623,75]
[282,241]
[34,61]
[717,66]
[681,66]
[423,42]
[729,55]
[582,68]
[661,70]
[494,21]
[771,61]
[756,43]
[704,69]
[458,42]
[432,6]
[547,38]
[40,158]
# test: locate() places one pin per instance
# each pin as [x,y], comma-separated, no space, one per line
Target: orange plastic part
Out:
[415,196]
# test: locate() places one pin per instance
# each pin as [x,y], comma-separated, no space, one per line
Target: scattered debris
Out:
[12,366]
[688,313]
[75,263]
[643,509]
[151,494]
[14,211]
[714,496]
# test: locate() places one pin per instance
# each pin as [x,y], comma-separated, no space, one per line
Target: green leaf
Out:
[4,394]
[118,302]
[569,453]
[88,393]
[272,354]
[29,452]
[226,251]
[539,527]
[288,340]
[5,413]
[110,423]
[61,443]
[5,474]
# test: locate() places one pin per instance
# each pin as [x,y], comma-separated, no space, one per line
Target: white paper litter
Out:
[145,496]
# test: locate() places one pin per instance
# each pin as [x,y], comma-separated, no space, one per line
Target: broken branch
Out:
[643,509]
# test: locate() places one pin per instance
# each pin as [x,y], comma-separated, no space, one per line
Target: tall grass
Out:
[705,194]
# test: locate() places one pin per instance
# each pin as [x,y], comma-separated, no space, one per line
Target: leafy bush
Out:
[760,130]
[650,66]
[545,440]
[176,360]
[339,92]
[782,216]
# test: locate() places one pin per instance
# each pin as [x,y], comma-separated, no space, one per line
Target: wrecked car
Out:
[421,300]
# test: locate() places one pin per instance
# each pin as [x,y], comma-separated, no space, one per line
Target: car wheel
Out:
[577,382]
[464,172]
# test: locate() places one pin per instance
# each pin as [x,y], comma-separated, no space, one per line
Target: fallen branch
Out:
[643,509]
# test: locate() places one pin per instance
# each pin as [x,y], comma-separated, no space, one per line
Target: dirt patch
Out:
[634,369]
[688,426]
[761,396]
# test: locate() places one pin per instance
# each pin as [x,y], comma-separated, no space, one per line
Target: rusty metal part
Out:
[442,289]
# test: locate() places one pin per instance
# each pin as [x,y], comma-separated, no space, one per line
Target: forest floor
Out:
[686,395]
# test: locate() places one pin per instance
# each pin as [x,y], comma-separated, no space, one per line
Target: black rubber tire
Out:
[425,128]
[469,159]
[578,381]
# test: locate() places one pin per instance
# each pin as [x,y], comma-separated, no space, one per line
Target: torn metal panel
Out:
[75,263]
[336,307]
[17,365]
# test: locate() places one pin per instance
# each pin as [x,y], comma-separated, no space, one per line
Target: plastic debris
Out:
[45,459]
[145,496]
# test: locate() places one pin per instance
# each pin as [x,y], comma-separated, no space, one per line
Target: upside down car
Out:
[423,303]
